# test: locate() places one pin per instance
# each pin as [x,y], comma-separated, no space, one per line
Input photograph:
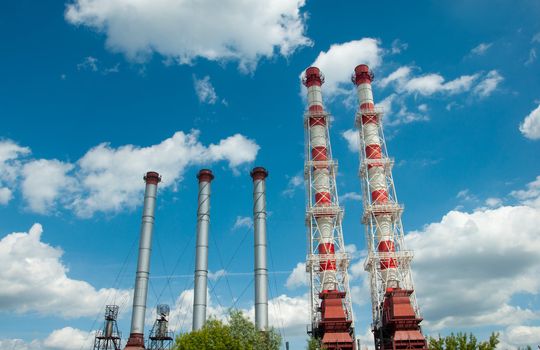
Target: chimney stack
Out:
[205,177]
[136,336]
[259,175]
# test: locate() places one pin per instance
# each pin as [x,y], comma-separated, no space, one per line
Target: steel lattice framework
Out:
[327,261]
[388,261]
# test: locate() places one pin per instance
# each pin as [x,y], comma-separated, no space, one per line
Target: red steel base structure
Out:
[400,328]
[135,342]
[334,328]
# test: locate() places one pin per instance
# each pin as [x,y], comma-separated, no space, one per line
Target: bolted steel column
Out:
[205,176]
[259,175]
[136,337]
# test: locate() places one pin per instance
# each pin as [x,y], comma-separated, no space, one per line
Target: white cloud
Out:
[43,182]
[88,63]
[242,222]
[353,139]
[493,202]
[474,254]
[34,279]
[66,338]
[432,83]
[337,64]
[294,183]
[423,107]
[205,90]
[214,30]
[399,75]
[298,277]
[353,196]
[531,195]
[522,336]
[108,179]
[5,195]
[216,275]
[288,313]
[398,46]
[10,167]
[488,84]
[530,127]
[532,56]
[481,49]
[536,38]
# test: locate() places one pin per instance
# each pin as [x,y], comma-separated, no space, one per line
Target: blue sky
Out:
[93,93]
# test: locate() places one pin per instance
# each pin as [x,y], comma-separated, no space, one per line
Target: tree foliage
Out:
[463,341]
[239,334]
[313,344]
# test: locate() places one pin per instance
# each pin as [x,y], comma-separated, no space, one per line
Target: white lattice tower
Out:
[388,262]
[327,261]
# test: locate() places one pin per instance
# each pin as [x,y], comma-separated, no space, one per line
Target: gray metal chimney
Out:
[136,336]
[259,175]
[205,177]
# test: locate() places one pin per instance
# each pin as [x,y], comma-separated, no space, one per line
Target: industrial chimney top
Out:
[205,175]
[313,76]
[152,177]
[362,75]
[259,173]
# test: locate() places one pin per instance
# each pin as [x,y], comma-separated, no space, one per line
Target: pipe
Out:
[205,177]
[136,337]
[259,175]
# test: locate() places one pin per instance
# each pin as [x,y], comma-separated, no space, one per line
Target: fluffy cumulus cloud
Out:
[34,279]
[298,277]
[530,127]
[210,29]
[66,338]
[469,266]
[337,64]
[108,179]
[353,139]
[44,181]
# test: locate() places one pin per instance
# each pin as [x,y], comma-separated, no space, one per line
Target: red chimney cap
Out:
[362,75]
[205,175]
[152,177]
[313,76]
[259,173]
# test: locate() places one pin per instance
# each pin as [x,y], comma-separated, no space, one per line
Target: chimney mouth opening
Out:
[152,177]
[259,173]
[205,175]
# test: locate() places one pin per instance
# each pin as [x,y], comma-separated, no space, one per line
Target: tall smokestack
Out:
[205,176]
[259,175]
[136,336]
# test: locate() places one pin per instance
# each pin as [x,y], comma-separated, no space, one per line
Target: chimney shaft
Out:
[136,337]
[205,177]
[259,175]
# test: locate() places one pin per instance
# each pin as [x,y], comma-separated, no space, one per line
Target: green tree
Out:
[239,334]
[463,341]
[313,344]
